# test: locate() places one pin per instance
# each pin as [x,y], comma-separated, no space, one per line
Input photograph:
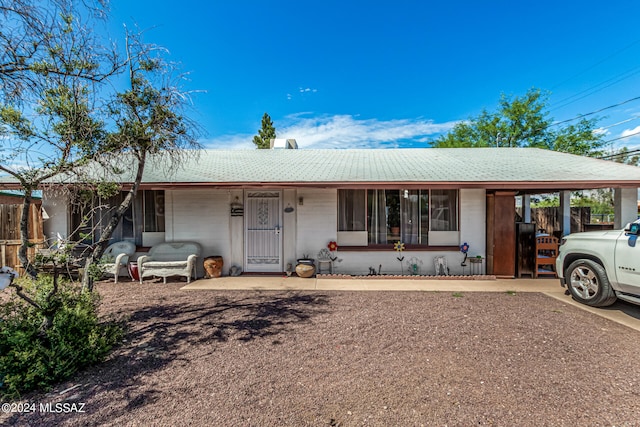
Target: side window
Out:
[351,210]
[82,217]
[153,206]
[444,210]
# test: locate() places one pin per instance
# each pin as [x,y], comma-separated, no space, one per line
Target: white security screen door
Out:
[263,237]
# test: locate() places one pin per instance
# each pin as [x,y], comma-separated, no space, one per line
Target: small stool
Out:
[476,265]
[325,263]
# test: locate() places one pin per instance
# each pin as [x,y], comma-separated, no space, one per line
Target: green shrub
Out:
[32,357]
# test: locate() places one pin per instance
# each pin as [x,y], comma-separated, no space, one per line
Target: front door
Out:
[501,233]
[263,219]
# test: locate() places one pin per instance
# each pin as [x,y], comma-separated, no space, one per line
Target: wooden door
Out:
[501,233]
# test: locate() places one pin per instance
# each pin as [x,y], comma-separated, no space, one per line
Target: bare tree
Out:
[150,121]
[59,124]
[50,69]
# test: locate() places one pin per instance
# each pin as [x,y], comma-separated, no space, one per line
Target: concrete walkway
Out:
[275,283]
[621,312]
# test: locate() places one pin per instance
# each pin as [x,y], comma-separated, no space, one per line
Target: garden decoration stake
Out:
[399,247]
[414,266]
[332,246]
[464,248]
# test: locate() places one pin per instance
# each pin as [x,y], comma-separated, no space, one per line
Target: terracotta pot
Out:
[213,266]
[133,271]
[305,270]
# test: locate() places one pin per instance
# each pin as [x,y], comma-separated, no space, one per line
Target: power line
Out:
[622,137]
[596,64]
[620,123]
[627,153]
[598,87]
[595,89]
[580,116]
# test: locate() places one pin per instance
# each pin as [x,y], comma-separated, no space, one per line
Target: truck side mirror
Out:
[632,229]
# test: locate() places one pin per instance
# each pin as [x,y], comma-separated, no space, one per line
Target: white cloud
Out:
[630,132]
[601,131]
[629,138]
[303,91]
[344,131]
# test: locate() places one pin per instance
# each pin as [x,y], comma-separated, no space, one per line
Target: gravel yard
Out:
[248,358]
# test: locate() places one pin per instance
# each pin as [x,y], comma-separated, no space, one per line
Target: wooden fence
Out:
[10,216]
[548,219]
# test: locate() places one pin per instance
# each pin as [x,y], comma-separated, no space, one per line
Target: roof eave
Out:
[489,185]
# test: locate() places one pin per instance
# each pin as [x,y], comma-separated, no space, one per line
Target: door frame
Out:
[262,268]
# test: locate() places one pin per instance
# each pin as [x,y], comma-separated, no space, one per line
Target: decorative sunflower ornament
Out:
[399,247]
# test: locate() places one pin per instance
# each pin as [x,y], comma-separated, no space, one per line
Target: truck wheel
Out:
[588,283]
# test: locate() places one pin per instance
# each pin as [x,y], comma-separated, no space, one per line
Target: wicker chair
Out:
[117,257]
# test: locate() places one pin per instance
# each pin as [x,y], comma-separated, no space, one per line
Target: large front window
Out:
[90,215]
[391,215]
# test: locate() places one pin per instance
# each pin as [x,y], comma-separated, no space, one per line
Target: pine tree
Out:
[266,133]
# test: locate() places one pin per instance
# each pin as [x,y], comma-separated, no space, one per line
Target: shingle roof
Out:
[447,165]
[463,167]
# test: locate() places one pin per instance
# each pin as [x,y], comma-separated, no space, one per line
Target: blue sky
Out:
[387,74]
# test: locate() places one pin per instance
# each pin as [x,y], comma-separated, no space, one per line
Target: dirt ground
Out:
[248,358]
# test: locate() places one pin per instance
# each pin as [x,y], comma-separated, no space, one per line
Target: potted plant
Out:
[393,219]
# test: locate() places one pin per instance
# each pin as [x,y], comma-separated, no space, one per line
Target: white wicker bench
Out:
[170,259]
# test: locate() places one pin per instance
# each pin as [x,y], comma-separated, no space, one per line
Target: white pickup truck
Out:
[600,266]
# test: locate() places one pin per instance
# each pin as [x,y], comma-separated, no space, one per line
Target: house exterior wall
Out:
[289,228]
[203,216]
[57,207]
[236,231]
[473,221]
[317,220]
